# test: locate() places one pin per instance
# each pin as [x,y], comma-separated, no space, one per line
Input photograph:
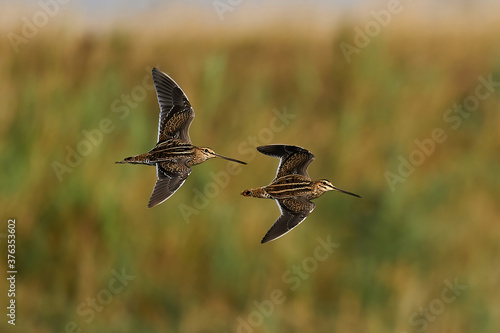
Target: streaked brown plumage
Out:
[174,154]
[292,189]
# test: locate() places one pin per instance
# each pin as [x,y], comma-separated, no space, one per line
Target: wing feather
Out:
[176,113]
[293,159]
[166,185]
[293,212]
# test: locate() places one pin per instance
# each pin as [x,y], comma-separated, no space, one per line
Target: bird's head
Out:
[207,152]
[324,185]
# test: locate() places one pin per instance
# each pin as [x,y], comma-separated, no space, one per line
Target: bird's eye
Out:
[206,150]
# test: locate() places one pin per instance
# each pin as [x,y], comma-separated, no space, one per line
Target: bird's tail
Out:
[255,192]
[137,159]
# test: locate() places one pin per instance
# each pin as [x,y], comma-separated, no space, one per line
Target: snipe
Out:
[292,189]
[174,154]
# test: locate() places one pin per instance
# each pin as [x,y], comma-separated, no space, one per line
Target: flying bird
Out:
[292,188]
[174,154]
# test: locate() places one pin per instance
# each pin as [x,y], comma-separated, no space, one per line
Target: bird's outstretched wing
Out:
[176,113]
[167,183]
[293,212]
[293,159]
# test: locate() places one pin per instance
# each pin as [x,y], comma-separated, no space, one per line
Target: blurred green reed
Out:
[396,247]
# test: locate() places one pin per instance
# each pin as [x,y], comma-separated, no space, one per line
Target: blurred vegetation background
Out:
[205,270]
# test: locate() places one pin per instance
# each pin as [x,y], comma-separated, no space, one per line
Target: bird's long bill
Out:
[230,159]
[338,189]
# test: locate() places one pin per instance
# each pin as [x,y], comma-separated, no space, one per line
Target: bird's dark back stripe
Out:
[292,189]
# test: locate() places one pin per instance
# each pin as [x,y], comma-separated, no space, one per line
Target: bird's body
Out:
[174,154]
[292,189]
[290,186]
